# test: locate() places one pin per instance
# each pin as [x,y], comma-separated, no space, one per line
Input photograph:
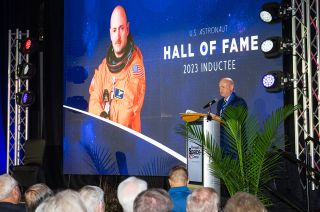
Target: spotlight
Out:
[274,12]
[25,98]
[275,81]
[274,47]
[26,71]
[28,45]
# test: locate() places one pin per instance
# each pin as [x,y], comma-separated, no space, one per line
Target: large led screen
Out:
[130,71]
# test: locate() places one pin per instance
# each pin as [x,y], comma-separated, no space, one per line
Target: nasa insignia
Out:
[119,93]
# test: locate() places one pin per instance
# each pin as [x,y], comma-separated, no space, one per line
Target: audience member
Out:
[35,194]
[128,190]
[155,200]
[67,200]
[9,194]
[244,202]
[93,198]
[203,199]
[178,180]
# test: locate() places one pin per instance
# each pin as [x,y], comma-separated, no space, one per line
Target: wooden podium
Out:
[211,126]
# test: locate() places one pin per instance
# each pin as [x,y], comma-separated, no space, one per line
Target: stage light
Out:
[268,80]
[28,45]
[26,71]
[267,46]
[274,12]
[25,98]
[274,47]
[275,81]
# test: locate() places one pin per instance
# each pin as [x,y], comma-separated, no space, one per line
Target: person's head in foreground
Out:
[244,202]
[204,199]
[155,200]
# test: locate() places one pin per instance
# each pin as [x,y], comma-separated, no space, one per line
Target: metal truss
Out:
[17,117]
[305,39]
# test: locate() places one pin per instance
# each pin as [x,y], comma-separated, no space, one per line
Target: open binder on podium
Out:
[194,116]
[198,162]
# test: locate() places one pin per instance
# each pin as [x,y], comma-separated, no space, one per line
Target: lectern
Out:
[198,161]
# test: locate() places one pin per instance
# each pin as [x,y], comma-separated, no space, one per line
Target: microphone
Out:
[210,103]
[106,95]
[106,104]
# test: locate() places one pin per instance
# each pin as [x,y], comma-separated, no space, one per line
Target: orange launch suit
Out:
[126,89]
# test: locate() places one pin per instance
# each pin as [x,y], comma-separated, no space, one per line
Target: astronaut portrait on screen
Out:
[118,86]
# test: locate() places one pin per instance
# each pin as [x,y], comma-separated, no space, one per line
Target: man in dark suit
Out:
[229,98]
[226,87]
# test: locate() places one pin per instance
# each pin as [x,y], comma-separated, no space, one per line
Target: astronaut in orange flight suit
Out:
[118,86]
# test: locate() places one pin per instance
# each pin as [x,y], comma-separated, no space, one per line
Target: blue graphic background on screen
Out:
[170,91]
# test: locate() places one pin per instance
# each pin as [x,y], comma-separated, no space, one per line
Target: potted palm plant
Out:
[250,163]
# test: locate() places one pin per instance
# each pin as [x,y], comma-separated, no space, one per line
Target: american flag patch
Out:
[137,70]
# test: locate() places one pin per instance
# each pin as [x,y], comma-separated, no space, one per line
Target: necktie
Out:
[224,103]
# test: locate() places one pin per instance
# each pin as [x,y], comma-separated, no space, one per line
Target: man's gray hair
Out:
[7,184]
[35,194]
[128,190]
[244,202]
[67,200]
[155,200]
[203,199]
[228,79]
[92,197]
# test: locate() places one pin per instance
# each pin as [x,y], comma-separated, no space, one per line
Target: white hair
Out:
[128,190]
[92,197]
[67,200]
[203,199]
[7,184]
[228,79]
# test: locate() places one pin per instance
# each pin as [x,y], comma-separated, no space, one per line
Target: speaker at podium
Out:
[198,161]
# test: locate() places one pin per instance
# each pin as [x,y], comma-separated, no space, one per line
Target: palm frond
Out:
[251,161]
[101,159]
[158,166]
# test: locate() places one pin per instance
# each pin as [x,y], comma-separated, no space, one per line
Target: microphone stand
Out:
[209,117]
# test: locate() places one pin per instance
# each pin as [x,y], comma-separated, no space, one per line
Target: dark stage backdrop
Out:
[187,46]
[13,14]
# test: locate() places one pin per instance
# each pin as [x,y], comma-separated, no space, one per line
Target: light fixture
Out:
[274,12]
[25,98]
[275,81]
[28,45]
[26,71]
[274,47]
